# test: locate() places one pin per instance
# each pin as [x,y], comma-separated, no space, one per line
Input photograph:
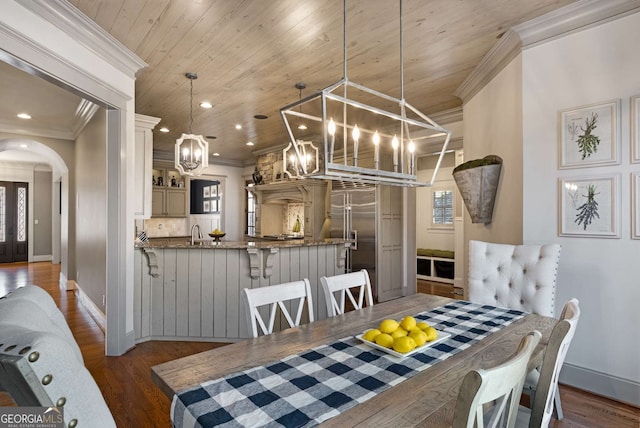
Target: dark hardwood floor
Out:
[135,401]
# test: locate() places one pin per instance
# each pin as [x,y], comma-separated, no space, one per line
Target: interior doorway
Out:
[14,242]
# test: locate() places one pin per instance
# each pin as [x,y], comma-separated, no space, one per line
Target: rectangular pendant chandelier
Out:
[362,142]
[366,136]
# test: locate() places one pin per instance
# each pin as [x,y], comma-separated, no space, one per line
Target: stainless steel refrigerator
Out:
[353,216]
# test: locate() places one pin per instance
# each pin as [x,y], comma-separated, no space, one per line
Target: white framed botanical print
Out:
[635,205]
[589,135]
[589,206]
[635,129]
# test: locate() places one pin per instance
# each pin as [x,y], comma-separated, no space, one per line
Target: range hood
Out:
[284,192]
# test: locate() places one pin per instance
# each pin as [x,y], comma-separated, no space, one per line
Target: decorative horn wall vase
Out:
[477,181]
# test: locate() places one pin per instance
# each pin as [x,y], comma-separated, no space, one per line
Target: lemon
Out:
[399,332]
[384,339]
[418,336]
[388,326]
[404,344]
[370,335]
[432,334]
[423,325]
[408,323]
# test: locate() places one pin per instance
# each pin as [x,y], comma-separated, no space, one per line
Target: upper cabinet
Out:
[170,195]
[143,159]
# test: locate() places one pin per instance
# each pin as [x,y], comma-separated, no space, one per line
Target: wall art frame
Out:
[635,205]
[589,206]
[635,128]
[589,135]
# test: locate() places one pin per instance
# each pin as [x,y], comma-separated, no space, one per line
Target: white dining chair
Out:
[345,285]
[521,277]
[494,393]
[541,384]
[275,296]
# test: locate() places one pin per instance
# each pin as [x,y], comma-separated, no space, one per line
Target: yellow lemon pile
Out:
[403,336]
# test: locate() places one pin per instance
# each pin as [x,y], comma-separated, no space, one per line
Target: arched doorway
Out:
[60,176]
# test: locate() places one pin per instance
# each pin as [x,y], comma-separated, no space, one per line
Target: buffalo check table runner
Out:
[306,389]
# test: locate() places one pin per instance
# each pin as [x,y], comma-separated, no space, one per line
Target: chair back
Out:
[521,277]
[494,392]
[345,285]
[275,296]
[554,356]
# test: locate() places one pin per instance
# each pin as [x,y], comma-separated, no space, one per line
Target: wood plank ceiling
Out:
[249,54]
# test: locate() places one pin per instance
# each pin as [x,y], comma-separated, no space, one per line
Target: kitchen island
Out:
[193,292]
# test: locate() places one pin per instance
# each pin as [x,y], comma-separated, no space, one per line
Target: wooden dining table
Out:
[426,399]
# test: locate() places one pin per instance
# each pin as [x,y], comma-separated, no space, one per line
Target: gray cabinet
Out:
[169,194]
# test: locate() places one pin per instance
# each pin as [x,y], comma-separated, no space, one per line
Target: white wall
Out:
[91,209]
[591,66]
[493,126]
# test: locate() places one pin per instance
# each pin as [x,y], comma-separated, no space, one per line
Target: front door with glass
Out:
[13,222]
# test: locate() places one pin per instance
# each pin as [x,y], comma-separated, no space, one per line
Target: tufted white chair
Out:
[521,277]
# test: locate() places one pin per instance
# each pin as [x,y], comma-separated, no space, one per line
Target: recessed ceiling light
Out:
[249,143]
[206,104]
[302,126]
[261,116]
[238,126]
[24,116]
[163,129]
[24,146]
[216,154]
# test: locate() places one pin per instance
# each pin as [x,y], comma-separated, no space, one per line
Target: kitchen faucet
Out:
[195,226]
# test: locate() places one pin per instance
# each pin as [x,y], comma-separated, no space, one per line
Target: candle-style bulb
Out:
[331,128]
[412,150]
[394,144]
[355,133]
[376,138]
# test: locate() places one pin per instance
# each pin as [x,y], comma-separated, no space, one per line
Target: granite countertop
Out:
[210,244]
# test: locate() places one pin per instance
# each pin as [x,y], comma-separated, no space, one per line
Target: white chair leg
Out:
[557,405]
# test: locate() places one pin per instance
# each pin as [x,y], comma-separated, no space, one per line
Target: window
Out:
[442,208]
[251,214]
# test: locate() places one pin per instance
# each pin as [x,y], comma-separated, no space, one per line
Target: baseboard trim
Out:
[603,384]
[95,312]
[46,258]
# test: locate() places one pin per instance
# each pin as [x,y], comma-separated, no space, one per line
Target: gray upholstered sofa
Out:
[41,363]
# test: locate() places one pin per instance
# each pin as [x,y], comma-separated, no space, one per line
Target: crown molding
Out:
[161,155]
[84,113]
[501,54]
[574,17]
[77,25]
[447,116]
[10,128]
[147,122]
